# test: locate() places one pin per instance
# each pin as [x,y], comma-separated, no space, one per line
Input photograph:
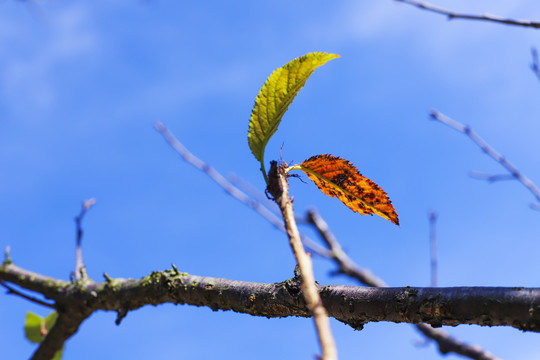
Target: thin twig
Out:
[489,151]
[346,266]
[219,179]
[253,192]
[448,344]
[491,177]
[228,186]
[11,290]
[484,17]
[279,188]
[80,270]
[535,65]
[433,247]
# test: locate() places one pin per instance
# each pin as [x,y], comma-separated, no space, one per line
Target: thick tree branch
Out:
[485,306]
[50,288]
[66,325]
[484,17]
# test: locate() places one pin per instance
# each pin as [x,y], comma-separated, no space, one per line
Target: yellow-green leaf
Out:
[336,177]
[36,328]
[33,327]
[276,95]
[50,320]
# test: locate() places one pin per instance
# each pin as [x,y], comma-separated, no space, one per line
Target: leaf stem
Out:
[264,171]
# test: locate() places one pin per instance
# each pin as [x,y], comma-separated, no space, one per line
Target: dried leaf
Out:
[276,95]
[339,178]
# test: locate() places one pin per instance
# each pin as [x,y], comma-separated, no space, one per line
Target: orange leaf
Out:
[339,178]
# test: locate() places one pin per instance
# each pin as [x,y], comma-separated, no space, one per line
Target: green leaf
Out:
[32,327]
[50,320]
[58,354]
[274,99]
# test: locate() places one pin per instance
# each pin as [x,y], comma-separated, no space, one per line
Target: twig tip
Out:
[434,114]
[7,257]
[158,125]
[107,278]
[87,204]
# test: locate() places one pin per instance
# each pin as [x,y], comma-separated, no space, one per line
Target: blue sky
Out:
[82,83]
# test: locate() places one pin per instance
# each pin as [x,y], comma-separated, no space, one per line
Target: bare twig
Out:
[278,187]
[80,271]
[11,290]
[228,186]
[433,246]
[514,172]
[484,17]
[7,257]
[219,179]
[346,266]
[535,65]
[491,177]
[253,192]
[448,344]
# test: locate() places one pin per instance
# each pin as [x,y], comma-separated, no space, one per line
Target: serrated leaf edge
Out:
[260,155]
[334,185]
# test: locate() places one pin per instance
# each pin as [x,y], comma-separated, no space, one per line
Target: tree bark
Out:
[485,306]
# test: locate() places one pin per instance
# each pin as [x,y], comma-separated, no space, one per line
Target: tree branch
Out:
[514,171]
[486,306]
[80,271]
[491,178]
[346,266]
[219,179]
[485,17]
[448,344]
[433,247]
[278,187]
[11,290]
[535,65]
[66,325]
